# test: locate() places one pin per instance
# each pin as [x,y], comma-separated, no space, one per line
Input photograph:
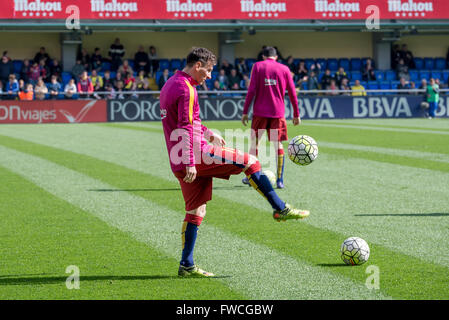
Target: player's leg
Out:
[258,127]
[280,158]
[277,134]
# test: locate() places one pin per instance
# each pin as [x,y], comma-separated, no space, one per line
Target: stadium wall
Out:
[25,45]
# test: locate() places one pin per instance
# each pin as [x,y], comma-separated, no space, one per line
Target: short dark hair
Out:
[269,52]
[200,54]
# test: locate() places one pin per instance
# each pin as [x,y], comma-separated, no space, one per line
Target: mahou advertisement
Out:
[224,9]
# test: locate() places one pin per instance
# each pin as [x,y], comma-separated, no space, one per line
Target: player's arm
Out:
[250,95]
[293,99]
[212,137]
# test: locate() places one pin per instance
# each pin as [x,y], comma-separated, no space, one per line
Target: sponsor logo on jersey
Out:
[270,82]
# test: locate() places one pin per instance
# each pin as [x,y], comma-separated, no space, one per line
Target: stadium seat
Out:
[390,75]
[414,75]
[322,62]
[429,63]
[176,64]
[356,64]
[394,84]
[419,63]
[164,64]
[113,74]
[17,66]
[249,63]
[214,75]
[440,63]
[424,74]
[373,63]
[106,66]
[66,76]
[436,74]
[445,75]
[210,84]
[296,61]
[309,62]
[183,63]
[355,75]
[344,63]
[332,64]
[379,74]
[158,75]
[131,63]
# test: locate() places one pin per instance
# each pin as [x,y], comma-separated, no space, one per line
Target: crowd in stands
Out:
[112,76]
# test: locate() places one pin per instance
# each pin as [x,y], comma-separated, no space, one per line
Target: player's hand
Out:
[296,121]
[245,119]
[217,140]
[190,174]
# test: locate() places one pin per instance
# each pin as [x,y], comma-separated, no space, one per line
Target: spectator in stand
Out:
[107,79]
[54,87]
[97,83]
[34,73]
[118,78]
[116,52]
[1,90]
[340,75]
[345,86]
[280,56]
[244,83]
[77,70]
[163,79]
[326,79]
[407,56]
[6,68]
[402,70]
[217,87]
[301,83]
[223,79]
[42,54]
[234,78]
[141,60]
[83,55]
[226,66]
[395,56]
[22,86]
[235,87]
[413,87]
[27,94]
[70,89]
[125,68]
[260,54]
[241,67]
[332,88]
[358,89]
[432,97]
[129,82]
[12,87]
[154,60]
[403,84]
[142,83]
[291,64]
[56,70]
[316,67]
[120,86]
[96,60]
[368,71]
[40,89]
[302,71]
[85,87]
[312,81]
[423,85]
[25,70]
[111,91]
[44,71]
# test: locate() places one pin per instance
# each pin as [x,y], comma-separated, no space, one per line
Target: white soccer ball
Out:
[302,150]
[354,251]
[271,176]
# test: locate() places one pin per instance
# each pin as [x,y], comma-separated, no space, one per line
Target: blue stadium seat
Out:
[210,83]
[414,75]
[106,66]
[379,74]
[385,85]
[436,74]
[419,63]
[356,64]
[296,61]
[373,85]
[164,64]
[373,63]
[344,63]
[440,63]
[394,84]
[158,75]
[176,64]
[445,75]
[355,75]
[429,63]
[249,63]
[390,75]
[131,63]
[214,75]
[424,74]
[66,76]
[17,66]
[113,74]
[322,62]
[332,64]
[183,63]
[309,62]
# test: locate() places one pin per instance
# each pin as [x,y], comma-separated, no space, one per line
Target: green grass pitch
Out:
[102,197]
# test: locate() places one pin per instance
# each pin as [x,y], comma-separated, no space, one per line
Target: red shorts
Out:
[277,128]
[221,163]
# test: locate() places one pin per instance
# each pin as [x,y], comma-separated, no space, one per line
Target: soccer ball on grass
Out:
[302,150]
[354,251]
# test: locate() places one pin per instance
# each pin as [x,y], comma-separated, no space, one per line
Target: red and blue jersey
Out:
[269,80]
[180,115]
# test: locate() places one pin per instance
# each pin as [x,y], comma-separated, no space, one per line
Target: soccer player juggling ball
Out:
[195,162]
[269,79]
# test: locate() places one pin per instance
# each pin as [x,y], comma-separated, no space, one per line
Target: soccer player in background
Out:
[195,162]
[269,80]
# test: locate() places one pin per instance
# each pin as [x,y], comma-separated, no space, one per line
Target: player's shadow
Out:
[404,215]
[333,265]
[6,280]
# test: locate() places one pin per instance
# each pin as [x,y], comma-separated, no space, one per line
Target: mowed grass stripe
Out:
[42,235]
[338,187]
[249,266]
[309,243]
